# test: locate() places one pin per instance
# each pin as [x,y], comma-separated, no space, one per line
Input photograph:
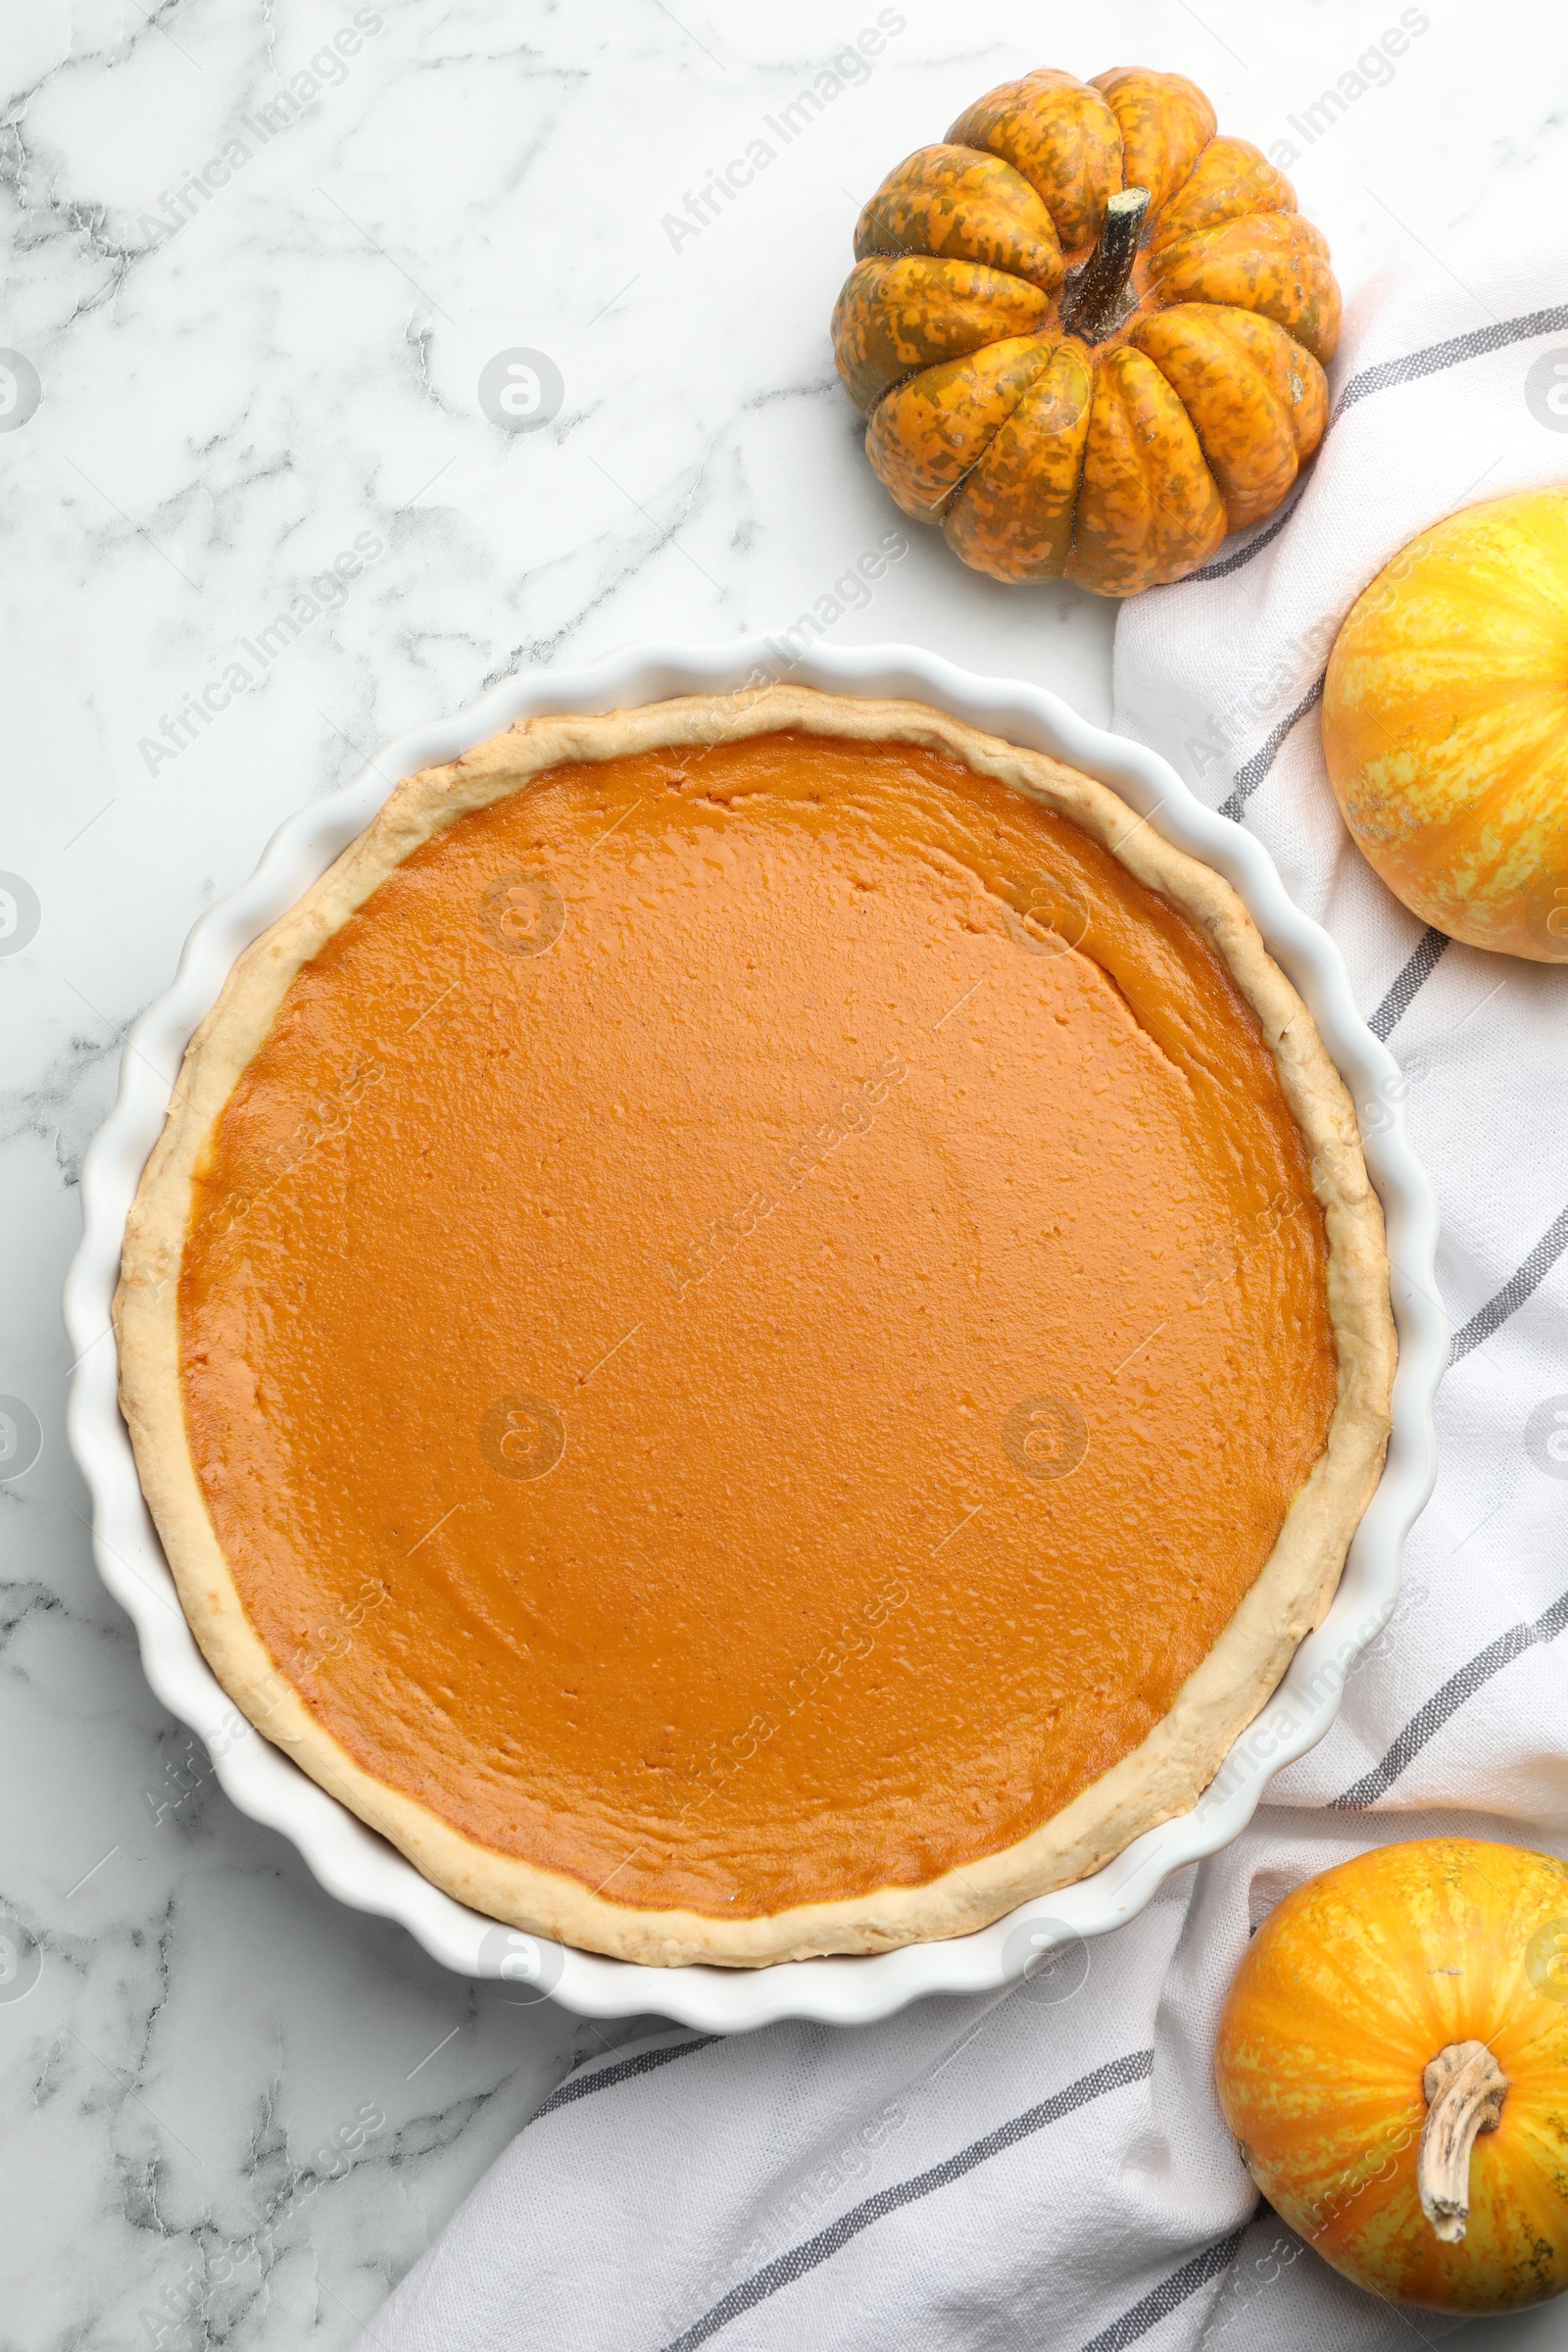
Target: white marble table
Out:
[259,259]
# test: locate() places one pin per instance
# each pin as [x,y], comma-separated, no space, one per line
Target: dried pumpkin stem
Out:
[1464,2088]
[1095,303]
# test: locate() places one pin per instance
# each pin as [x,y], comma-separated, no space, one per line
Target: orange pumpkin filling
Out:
[752,1321]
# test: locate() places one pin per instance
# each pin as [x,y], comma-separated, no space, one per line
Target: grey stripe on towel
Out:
[626,2070]
[1514,1291]
[1116,2075]
[1166,2295]
[1410,977]
[1252,772]
[1447,1700]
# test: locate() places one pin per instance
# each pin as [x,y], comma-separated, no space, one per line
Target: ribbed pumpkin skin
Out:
[1349,1988]
[1446,726]
[1189,419]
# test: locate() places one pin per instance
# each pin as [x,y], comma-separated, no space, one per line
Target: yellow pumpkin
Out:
[1392,2058]
[1446,726]
[1087,332]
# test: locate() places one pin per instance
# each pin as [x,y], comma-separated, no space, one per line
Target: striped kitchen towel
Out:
[1049,2167]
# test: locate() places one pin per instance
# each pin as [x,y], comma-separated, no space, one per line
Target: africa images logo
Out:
[1046,1436]
[1546,390]
[21,390]
[21,1960]
[520,390]
[528,1965]
[20,913]
[21,1438]
[523,914]
[522,1436]
[1547,1437]
[325,593]
[850,70]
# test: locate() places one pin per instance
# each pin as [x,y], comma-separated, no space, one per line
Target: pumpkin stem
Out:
[1095,302]
[1464,2088]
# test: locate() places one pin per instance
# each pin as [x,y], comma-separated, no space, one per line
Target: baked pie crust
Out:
[523,1435]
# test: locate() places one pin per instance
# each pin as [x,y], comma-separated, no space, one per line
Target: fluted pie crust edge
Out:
[1168,1771]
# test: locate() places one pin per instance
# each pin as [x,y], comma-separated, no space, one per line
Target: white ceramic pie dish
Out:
[360,1867]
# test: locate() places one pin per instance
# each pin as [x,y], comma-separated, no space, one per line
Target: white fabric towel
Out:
[1052,2172]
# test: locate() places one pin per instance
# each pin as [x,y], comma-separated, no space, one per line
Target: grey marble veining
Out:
[267,273]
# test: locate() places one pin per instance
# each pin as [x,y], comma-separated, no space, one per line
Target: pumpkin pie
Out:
[758,1327]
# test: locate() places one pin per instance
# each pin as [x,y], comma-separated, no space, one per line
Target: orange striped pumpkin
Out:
[1445,724]
[1392,2058]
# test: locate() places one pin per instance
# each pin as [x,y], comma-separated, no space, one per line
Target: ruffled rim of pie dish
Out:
[1170,1768]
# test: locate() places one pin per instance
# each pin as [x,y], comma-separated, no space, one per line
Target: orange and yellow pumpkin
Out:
[1445,724]
[1088,331]
[1392,2058]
